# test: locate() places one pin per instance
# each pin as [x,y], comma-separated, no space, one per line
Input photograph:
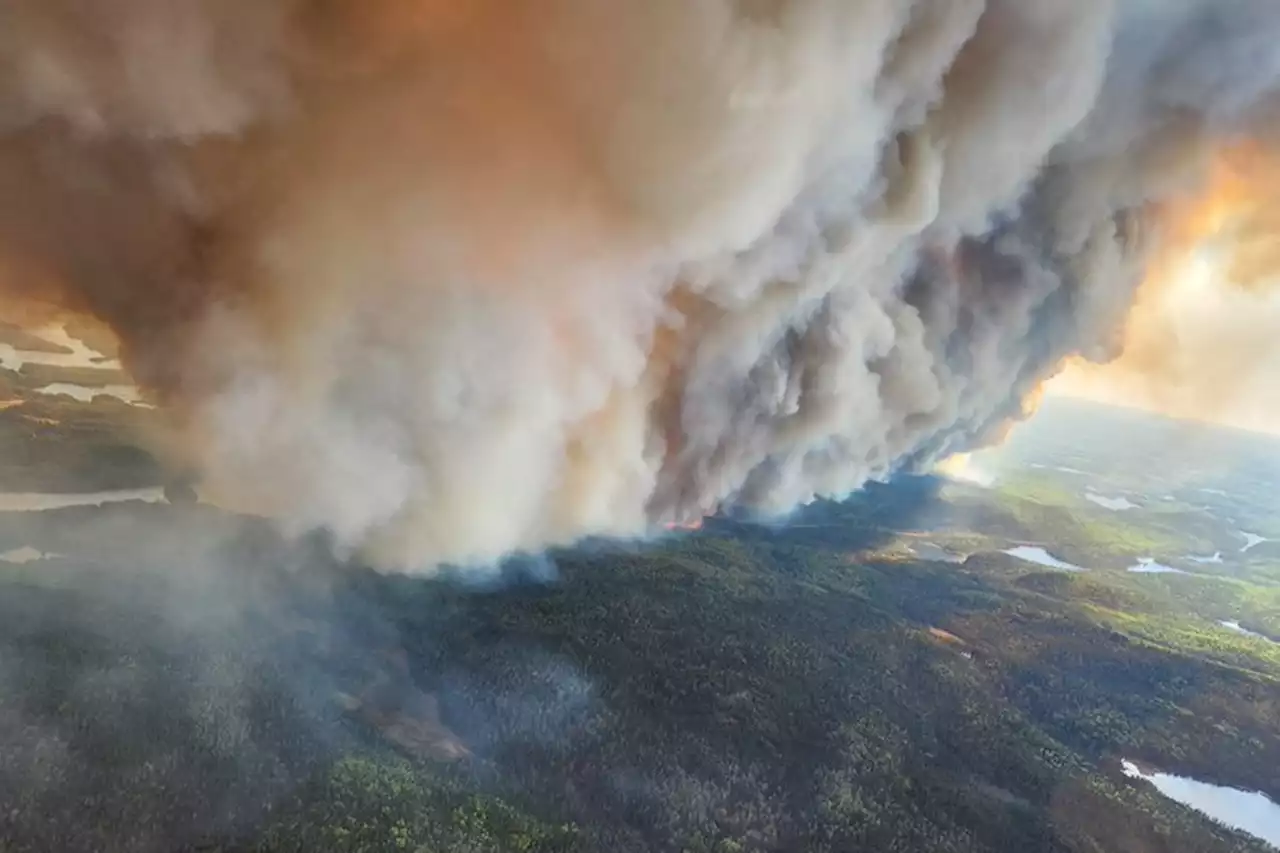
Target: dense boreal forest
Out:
[737,688]
[872,675]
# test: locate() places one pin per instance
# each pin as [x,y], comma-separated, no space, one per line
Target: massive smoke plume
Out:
[452,278]
[1199,341]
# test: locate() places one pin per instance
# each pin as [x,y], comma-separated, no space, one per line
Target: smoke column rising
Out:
[453,279]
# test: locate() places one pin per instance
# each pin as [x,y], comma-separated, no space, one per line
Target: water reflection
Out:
[78,354]
[37,501]
[85,393]
[1148,566]
[1251,540]
[1114,504]
[1041,557]
[1232,625]
[1247,811]
[25,554]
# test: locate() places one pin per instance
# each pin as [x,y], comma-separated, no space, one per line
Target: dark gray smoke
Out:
[456,279]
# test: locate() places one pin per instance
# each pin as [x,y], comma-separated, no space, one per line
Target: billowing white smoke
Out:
[454,278]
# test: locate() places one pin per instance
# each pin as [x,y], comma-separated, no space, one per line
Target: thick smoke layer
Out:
[1199,341]
[453,279]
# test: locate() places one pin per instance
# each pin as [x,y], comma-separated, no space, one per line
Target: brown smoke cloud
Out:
[452,279]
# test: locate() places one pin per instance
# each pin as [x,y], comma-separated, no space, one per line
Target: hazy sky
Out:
[1200,348]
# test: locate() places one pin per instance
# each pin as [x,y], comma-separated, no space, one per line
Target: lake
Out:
[1247,811]
[25,554]
[1251,540]
[86,393]
[37,501]
[77,354]
[1041,557]
[1148,566]
[1115,504]
[1232,625]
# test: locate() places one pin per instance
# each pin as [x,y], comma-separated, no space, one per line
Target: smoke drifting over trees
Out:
[455,279]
